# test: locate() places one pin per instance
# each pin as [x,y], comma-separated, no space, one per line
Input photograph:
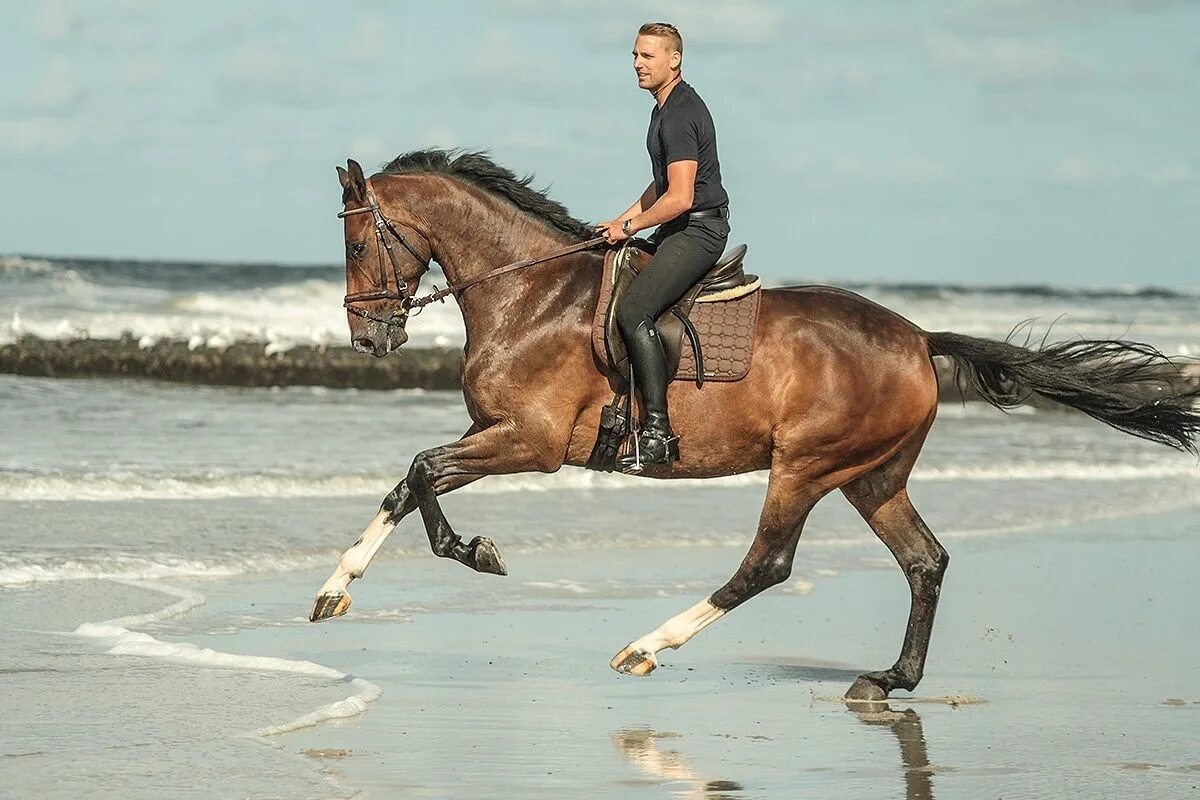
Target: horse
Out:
[840,394]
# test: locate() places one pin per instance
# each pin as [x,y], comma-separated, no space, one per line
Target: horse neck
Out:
[471,232]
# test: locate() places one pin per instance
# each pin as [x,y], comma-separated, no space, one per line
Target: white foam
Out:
[133,485]
[1061,470]
[133,568]
[307,312]
[116,634]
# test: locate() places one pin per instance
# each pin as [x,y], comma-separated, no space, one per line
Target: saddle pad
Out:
[726,338]
[726,331]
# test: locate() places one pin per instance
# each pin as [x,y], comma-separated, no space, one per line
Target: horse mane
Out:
[478,169]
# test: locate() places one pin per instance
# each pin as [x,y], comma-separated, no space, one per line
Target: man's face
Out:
[653,61]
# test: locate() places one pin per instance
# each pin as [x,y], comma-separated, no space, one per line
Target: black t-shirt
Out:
[683,130]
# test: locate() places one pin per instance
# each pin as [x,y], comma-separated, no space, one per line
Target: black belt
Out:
[722,212]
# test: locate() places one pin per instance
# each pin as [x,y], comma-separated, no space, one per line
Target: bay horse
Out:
[840,394]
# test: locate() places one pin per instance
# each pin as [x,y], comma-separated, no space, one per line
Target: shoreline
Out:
[256,364]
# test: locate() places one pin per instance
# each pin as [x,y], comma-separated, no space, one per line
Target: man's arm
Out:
[641,204]
[681,193]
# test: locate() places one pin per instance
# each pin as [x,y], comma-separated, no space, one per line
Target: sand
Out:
[1062,660]
[1057,662]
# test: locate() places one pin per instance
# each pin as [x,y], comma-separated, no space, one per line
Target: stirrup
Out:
[634,463]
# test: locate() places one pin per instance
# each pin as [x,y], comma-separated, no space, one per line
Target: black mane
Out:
[479,170]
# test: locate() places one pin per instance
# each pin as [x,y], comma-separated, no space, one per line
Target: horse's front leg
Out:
[504,448]
[333,599]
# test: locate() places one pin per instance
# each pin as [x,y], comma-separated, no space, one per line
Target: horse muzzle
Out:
[377,338]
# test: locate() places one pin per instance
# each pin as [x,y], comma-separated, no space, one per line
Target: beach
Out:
[1062,657]
[161,544]
[154,593]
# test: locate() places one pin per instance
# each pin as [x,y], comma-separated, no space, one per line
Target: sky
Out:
[976,142]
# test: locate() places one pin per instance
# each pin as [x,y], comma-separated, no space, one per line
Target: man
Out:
[688,203]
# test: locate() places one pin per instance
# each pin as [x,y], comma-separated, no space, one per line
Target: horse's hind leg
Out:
[791,494]
[880,496]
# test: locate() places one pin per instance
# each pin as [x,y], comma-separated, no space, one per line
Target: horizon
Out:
[1026,287]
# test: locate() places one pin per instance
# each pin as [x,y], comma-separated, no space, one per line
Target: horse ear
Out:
[356,174]
[343,178]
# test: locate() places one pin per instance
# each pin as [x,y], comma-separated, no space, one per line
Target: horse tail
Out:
[1128,385]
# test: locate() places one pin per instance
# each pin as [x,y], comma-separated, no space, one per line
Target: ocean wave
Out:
[217,484]
[121,641]
[302,312]
[24,571]
[19,265]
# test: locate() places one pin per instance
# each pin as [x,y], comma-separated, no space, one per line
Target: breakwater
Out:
[253,364]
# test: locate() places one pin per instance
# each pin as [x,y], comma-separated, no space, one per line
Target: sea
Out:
[160,544]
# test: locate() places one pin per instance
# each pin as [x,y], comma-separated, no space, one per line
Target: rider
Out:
[688,203]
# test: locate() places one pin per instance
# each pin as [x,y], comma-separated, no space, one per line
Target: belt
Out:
[722,212]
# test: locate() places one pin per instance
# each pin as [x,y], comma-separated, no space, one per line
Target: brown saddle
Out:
[718,316]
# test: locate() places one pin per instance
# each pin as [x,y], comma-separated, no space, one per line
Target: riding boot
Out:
[657,444]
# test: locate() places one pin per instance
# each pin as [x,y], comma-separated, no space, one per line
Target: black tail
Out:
[1130,386]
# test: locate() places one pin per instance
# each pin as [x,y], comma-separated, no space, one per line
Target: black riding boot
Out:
[657,444]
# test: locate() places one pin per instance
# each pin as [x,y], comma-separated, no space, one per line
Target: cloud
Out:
[723,22]
[727,22]
[1176,174]
[1080,172]
[56,21]
[35,136]
[259,74]
[369,149]
[1031,16]
[56,91]
[124,26]
[845,169]
[1001,62]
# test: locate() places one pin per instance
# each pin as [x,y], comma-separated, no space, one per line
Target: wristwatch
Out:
[625,227]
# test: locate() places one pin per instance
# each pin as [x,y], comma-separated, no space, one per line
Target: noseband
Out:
[408,303]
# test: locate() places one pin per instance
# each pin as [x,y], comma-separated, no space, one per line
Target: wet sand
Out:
[1059,662]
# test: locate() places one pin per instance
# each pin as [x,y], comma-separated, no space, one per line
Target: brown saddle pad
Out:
[724,322]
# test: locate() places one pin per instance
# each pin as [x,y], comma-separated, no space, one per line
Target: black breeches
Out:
[685,255]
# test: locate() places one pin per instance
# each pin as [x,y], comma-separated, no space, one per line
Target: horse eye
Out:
[358,249]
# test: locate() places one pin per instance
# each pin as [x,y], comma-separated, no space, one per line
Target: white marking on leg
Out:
[356,560]
[675,632]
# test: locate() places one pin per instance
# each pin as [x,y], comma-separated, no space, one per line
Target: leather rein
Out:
[384,226]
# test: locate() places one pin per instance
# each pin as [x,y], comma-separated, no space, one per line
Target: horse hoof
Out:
[487,557]
[633,662]
[864,690]
[330,605]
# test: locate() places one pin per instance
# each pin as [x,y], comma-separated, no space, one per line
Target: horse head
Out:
[385,259]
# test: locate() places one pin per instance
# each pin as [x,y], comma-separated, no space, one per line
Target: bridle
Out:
[383,226]
[408,302]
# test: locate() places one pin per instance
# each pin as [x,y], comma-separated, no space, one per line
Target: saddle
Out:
[718,314]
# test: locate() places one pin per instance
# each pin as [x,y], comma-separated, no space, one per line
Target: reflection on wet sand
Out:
[644,747]
[914,757]
[641,746]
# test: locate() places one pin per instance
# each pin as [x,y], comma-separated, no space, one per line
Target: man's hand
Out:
[611,231]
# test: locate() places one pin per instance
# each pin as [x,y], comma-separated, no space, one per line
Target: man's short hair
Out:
[667,31]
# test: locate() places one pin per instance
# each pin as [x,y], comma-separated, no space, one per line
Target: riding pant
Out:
[688,247]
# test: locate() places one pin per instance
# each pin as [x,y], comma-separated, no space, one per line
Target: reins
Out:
[384,226]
